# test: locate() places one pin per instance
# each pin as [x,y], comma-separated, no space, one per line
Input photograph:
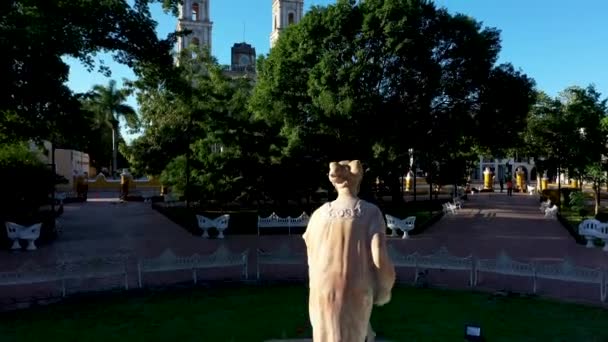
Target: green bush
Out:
[27,185]
[27,182]
[551,194]
[577,202]
[554,195]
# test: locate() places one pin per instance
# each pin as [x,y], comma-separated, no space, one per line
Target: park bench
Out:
[405,225]
[220,223]
[593,229]
[544,206]
[18,232]
[449,208]
[457,203]
[275,221]
[551,212]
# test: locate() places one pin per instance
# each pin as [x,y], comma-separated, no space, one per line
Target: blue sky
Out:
[559,43]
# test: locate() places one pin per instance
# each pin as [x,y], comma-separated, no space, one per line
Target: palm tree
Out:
[108,102]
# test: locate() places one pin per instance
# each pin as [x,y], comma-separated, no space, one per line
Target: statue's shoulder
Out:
[369,207]
[322,209]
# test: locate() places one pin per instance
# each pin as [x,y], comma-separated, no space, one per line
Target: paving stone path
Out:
[487,225]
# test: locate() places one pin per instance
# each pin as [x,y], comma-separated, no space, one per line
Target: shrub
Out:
[554,195]
[577,202]
[27,181]
[27,185]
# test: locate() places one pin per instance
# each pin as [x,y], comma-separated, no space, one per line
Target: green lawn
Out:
[252,314]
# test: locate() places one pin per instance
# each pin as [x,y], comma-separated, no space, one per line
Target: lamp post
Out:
[413,167]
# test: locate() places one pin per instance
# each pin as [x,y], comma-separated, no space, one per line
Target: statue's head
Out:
[346,175]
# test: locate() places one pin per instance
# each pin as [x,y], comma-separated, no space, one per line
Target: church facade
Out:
[194,16]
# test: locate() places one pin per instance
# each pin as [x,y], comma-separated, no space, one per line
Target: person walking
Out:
[509,187]
[502,184]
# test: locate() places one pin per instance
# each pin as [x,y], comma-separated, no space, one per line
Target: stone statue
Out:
[348,263]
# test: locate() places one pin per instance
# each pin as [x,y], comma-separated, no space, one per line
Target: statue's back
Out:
[341,272]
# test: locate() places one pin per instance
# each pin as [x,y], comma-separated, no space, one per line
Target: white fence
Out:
[63,272]
[443,260]
[505,265]
[117,267]
[168,261]
[275,221]
[283,256]
[106,267]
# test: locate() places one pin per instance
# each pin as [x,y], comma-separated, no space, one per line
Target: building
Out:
[68,163]
[506,166]
[285,13]
[194,16]
[243,58]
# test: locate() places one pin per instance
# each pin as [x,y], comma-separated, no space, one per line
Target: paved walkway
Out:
[488,224]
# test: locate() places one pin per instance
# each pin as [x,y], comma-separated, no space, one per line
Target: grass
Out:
[259,313]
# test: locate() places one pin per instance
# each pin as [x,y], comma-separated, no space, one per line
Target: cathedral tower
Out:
[194,16]
[285,13]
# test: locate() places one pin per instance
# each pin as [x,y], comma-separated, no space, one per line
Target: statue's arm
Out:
[307,233]
[385,270]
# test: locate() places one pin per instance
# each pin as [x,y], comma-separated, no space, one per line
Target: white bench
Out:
[458,203]
[18,232]
[449,208]
[168,261]
[220,223]
[544,206]
[593,229]
[275,221]
[405,225]
[551,212]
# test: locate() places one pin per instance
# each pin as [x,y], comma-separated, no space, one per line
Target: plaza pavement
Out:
[488,224]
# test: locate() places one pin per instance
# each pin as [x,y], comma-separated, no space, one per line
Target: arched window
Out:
[195,12]
[291,18]
[195,41]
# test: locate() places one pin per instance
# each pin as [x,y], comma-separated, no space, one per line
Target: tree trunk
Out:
[396,194]
[597,188]
[54,169]
[114,153]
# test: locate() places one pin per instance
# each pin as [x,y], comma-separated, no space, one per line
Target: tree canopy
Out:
[372,79]
[37,34]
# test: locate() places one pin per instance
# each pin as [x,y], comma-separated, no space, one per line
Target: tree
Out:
[38,34]
[370,80]
[571,133]
[108,103]
[202,139]
[590,149]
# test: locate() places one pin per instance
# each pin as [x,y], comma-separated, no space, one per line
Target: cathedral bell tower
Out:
[194,16]
[285,13]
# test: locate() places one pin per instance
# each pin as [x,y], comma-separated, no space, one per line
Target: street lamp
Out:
[413,167]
